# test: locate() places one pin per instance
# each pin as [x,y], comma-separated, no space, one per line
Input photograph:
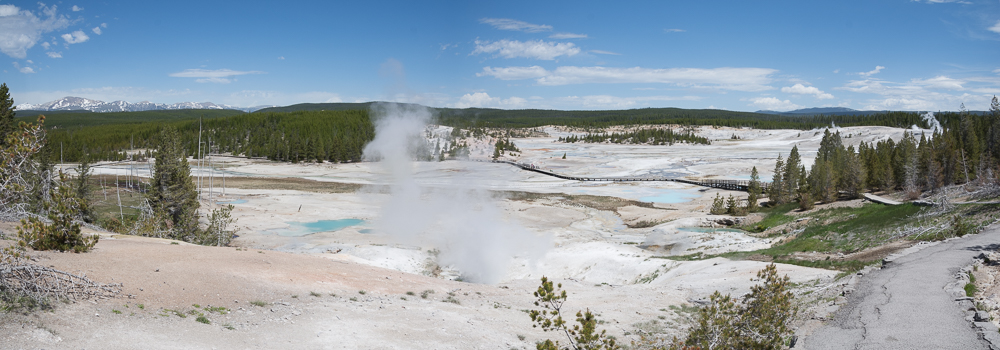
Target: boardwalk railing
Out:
[732,185]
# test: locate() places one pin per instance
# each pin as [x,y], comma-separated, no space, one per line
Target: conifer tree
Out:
[776,193]
[172,193]
[754,190]
[792,173]
[7,124]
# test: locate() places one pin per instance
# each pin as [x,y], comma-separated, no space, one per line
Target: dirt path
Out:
[905,305]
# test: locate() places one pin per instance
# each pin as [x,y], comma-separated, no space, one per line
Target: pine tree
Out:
[7,124]
[83,188]
[792,173]
[776,193]
[172,193]
[754,190]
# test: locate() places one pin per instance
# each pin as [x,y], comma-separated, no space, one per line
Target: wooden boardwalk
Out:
[732,185]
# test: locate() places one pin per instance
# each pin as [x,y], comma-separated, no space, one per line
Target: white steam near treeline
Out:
[932,122]
[466,226]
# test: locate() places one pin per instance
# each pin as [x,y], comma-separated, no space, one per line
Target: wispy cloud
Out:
[773,104]
[800,89]
[568,36]
[220,76]
[484,100]
[535,49]
[936,93]
[75,37]
[25,69]
[77,8]
[515,25]
[727,78]
[995,28]
[617,102]
[872,72]
[602,52]
[943,1]
[22,29]
[673,30]
[97,30]
[54,54]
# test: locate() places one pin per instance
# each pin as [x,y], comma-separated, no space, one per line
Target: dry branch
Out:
[20,277]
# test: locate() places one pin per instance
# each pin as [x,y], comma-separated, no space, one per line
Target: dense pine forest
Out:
[336,136]
[964,149]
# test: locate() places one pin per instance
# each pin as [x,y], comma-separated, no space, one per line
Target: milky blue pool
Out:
[667,196]
[299,229]
[237,201]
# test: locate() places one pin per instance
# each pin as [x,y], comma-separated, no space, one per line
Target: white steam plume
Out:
[465,225]
[932,122]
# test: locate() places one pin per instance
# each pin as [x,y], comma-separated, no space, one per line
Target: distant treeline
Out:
[338,132]
[639,137]
[495,118]
[337,136]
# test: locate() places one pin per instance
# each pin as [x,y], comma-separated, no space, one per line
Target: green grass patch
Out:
[203,319]
[773,216]
[970,290]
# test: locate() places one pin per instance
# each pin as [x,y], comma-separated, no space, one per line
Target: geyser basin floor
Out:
[299,229]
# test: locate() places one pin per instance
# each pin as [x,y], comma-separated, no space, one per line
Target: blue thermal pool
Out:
[670,197]
[237,201]
[299,229]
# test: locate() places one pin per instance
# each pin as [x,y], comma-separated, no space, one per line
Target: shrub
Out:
[581,336]
[63,234]
[760,320]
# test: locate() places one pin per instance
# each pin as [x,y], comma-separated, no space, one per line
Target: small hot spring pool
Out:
[669,196]
[299,229]
[236,201]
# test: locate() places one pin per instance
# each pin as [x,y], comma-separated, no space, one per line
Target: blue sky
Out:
[735,55]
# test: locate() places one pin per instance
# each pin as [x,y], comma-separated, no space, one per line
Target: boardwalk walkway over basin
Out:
[732,185]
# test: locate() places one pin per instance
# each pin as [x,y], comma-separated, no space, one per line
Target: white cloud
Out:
[220,76]
[927,94]
[673,30]
[568,36]
[484,100]
[77,8]
[872,72]
[605,52]
[8,10]
[104,25]
[25,69]
[54,54]
[741,79]
[616,102]
[45,45]
[995,28]
[510,24]
[800,89]
[75,37]
[773,104]
[514,73]
[21,29]
[943,1]
[835,71]
[97,30]
[940,82]
[535,49]
[281,58]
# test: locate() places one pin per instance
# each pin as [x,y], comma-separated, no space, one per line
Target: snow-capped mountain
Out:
[70,103]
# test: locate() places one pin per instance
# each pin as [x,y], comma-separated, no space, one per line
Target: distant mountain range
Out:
[70,103]
[822,110]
